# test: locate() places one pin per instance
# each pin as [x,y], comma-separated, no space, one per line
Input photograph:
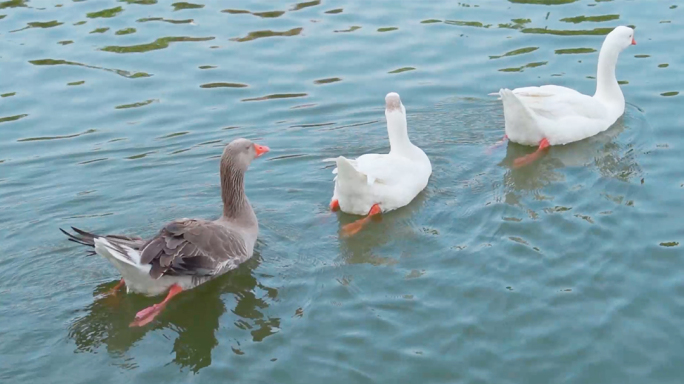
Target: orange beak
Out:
[261,149]
[633,41]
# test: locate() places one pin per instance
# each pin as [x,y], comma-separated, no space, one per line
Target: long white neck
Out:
[398,134]
[607,88]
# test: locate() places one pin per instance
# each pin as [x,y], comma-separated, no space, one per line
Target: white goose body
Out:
[390,180]
[562,115]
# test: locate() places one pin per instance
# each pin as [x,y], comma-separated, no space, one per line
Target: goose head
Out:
[395,113]
[397,128]
[239,154]
[621,38]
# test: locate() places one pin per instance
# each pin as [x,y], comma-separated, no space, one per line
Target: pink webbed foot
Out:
[148,314]
[497,145]
[115,289]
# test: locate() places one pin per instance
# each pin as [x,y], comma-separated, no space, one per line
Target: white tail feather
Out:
[495,94]
[346,172]
[104,248]
[520,122]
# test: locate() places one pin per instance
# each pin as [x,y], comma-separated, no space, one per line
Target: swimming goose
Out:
[186,252]
[554,115]
[376,183]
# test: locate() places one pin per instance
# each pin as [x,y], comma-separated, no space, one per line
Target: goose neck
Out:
[607,87]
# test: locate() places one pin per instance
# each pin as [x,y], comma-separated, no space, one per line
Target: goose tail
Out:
[121,251]
[348,175]
[520,122]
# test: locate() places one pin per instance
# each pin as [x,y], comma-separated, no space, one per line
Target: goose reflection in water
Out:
[613,158]
[389,226]
[195,317]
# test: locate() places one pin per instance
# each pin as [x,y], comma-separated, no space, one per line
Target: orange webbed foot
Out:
[353,228]
[532,157]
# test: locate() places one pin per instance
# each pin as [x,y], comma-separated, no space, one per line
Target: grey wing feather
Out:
[192,247]
[88,239]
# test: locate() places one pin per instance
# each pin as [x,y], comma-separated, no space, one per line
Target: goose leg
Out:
[148,314]
[497,144]
[335,205]
[353,228]
[112,292]
[532,157]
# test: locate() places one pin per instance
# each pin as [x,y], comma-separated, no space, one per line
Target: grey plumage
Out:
[197,248]
[193,247]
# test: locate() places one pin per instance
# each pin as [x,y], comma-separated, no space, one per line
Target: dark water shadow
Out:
[193,316]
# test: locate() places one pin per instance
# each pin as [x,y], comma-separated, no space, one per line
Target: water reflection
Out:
[13,4]
[12,118]
[172,21]
[265,15]
[38,24]
[610,157]
[560,32]
[268,33]
[307,4]
[223,85]
[327,80]
[545,2]
[184,5]
[57,137]
[467,23]
[403,69]
[141,2]
[276,96]
[574,51]
[393,225]
[351,29]
[515,52]
[120,72]
[105,13]
[594,19]
[125,31]
[136,105]
[522,68]
[194,317]
[160,43]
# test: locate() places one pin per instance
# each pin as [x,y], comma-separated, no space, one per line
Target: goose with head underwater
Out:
[376,183]
[186,252]
[555,115]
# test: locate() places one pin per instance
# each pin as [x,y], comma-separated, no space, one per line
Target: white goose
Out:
[554,115]
[375,183]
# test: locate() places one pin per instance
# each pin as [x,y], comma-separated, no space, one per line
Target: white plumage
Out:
[390,180]
[562,115]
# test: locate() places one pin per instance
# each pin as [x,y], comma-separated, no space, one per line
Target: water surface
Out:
[113,115]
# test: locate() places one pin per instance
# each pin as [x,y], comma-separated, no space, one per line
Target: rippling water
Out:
[113,115]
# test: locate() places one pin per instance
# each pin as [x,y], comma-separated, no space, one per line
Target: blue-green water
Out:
[113,115]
